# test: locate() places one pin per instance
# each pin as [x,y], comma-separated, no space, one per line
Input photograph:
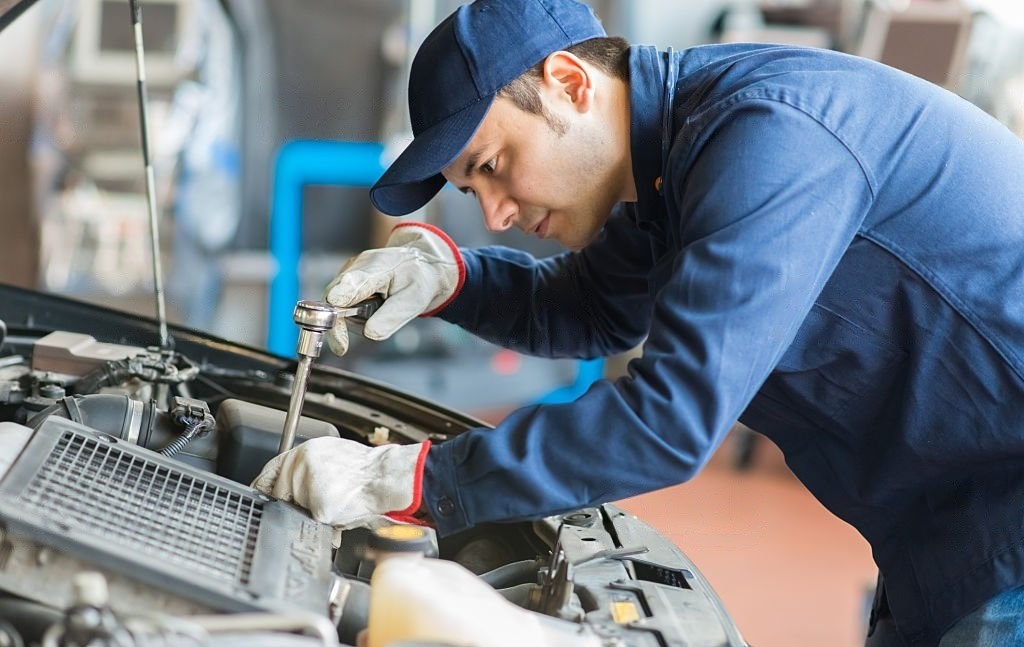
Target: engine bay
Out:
[126,516]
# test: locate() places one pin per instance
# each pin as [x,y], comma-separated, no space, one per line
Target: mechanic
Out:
[825,248]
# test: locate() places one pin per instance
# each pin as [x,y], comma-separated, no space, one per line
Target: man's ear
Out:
[567,77]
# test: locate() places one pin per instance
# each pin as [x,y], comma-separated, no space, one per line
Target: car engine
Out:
[126,517]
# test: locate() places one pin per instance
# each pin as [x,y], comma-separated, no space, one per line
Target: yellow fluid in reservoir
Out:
[417,598]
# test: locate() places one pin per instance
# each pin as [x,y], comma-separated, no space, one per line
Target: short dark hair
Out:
[610,54]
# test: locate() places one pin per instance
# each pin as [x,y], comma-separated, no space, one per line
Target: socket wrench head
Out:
[314,315]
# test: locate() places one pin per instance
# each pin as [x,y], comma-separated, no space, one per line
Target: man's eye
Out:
[488,166]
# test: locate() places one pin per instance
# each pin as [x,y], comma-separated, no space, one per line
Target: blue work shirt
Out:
[825,248]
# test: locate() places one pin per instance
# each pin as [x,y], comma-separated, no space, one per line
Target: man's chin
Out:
[576,246]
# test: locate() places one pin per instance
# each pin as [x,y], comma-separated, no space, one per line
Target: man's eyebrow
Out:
[471,164]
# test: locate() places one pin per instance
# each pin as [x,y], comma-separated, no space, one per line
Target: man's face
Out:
[551,182]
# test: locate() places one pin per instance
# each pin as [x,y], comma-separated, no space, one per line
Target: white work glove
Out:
[418,272]
[346,484]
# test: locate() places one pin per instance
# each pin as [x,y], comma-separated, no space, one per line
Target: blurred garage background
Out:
[251,99]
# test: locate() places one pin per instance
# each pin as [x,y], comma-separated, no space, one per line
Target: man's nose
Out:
[499,211]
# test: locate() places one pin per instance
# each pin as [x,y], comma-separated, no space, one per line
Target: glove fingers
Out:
[337,338]
[397,310]
[284,490]
[355,286]
[264,481]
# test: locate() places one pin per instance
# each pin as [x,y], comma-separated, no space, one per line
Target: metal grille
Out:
[93,487]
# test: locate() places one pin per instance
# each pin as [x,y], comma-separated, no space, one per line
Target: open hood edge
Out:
[11,9]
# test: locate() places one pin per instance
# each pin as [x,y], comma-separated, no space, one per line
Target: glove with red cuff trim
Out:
[347,484]
[418,272]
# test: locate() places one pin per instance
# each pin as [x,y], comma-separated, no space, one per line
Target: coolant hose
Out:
[521,572]
[520,595]
[117,415]
[110,373]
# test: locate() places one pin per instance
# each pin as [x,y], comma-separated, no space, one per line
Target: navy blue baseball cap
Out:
[457,73]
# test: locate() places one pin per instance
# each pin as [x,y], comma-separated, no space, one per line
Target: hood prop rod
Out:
[154,224]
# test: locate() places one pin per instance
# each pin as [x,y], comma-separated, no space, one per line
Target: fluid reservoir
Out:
[415,598]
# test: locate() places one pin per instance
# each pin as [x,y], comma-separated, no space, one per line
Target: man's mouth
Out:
[541,230]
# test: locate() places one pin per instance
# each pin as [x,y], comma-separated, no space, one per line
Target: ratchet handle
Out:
[363,310]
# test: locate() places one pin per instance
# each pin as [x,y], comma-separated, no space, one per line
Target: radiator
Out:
[168,537]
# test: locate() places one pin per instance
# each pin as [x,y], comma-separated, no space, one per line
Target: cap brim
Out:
[415,177]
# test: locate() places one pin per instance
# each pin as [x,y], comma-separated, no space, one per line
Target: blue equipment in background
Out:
[303,162]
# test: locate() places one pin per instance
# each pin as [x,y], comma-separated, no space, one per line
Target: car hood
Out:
[11,9]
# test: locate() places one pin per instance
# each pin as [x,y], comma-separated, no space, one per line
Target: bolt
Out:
[43,556]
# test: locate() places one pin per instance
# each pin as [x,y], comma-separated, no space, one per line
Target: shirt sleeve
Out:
[573,305]
[766,202]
